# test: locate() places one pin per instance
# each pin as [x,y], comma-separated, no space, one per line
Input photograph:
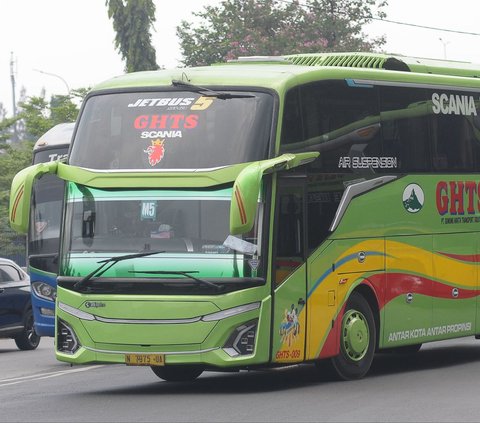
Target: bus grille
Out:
[350,60]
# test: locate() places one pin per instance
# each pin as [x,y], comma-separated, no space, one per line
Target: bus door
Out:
[289,272]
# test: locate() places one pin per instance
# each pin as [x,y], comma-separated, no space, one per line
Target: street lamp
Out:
[444,47]
[56,76]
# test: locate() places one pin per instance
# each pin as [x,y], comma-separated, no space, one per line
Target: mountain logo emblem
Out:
[413,198]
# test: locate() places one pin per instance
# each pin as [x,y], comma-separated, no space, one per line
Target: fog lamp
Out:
[242,339]
[66,340]
[47,311]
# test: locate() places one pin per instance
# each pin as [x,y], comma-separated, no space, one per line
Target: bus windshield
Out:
[172,130]
[183,225]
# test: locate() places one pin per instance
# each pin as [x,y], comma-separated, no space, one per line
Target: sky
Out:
[57,45]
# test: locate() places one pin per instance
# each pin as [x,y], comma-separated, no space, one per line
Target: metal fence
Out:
[14,249]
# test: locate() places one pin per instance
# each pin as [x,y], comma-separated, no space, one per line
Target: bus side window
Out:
[454,147]
[340,121]
[404,114]
[292,130]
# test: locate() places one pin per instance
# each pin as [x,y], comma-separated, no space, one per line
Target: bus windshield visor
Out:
[187,227]
[172,130]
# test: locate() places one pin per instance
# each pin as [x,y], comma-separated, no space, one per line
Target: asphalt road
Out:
[438,384]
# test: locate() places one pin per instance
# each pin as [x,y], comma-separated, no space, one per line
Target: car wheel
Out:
[177,373]
[357,340]
[28,338]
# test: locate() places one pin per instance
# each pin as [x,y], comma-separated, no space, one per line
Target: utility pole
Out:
[14,102]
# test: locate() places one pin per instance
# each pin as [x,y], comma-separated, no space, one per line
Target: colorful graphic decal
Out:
[166,126]
[413,198]
[155,152]
[290,326]
[390,288]
[163,128]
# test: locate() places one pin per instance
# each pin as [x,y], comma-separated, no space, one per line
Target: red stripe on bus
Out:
[463,257]
[15,203]
[241,207]
[403,283]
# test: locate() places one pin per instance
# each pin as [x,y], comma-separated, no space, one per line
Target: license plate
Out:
[145,359]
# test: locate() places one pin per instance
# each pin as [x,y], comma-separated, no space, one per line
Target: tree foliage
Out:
[39,115]
[36,116]
[12,160]
[132,20]
[274,27]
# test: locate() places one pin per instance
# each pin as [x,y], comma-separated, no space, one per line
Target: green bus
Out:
[314,208]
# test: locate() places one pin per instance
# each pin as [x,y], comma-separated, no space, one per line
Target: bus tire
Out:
[177,373]
[357,340]
[28,338]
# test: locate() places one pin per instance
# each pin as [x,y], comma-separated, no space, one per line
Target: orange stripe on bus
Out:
[241,207]
[15,204]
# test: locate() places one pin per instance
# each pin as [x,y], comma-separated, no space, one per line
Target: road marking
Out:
[21,379]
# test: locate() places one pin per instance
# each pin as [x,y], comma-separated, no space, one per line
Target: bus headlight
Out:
[44,290]
[76,312]
[230,312]
[67,341]
[242,339]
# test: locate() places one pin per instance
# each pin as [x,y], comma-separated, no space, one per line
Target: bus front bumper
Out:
[229,342]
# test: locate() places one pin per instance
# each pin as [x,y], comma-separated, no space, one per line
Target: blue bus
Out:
[44,228]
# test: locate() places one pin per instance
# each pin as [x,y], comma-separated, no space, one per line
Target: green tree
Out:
[6,129]
[272,27]
[13,158]
[37,116]
[132,20]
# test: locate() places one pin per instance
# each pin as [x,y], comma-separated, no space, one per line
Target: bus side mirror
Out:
[21,194]
[244,199]
[246,188]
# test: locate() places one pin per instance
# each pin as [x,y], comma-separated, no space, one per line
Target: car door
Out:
[14,296]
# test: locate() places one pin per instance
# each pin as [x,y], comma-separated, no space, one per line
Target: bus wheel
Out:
[28,338]
[357,340]
[177,373]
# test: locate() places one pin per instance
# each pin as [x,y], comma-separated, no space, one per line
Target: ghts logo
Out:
[155,152]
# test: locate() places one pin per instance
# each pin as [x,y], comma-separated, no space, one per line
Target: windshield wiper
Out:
[207,92]
[186,273]
[100,270]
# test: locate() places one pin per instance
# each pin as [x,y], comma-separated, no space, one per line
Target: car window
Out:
[9,273]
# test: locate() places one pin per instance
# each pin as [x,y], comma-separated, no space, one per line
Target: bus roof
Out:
[275,72]
[60,134]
